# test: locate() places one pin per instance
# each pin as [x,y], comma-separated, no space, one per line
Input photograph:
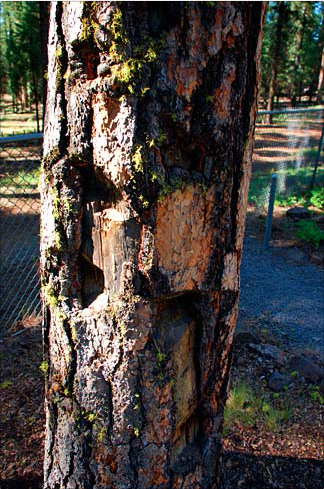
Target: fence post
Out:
[270,211]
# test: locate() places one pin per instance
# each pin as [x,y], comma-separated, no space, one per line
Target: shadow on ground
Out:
[247,471]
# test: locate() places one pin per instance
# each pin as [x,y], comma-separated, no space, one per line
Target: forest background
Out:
[292,59]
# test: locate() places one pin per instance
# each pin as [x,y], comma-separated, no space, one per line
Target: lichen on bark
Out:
[146,167]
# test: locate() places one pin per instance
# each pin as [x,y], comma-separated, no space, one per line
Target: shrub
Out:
[246,407]
[310,232]
[317,197]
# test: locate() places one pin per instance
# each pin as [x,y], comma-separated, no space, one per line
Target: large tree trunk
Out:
[148,142]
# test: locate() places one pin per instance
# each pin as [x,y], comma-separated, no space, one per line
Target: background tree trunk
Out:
[297,64]
[43,25]
[321,69]
[275,63]
[320,80]
[148,141]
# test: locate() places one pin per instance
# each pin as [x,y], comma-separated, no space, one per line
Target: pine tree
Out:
[148,141]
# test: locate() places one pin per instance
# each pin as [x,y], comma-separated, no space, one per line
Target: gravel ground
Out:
[283,291]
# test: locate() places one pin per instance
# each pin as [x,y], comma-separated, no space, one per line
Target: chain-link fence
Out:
[287,144]
[19,237]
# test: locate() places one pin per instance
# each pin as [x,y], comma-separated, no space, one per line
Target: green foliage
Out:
[294,374]
[274,417]
[102,434]
[50,295]
[137,159]
[90,416]
[27,179]
[44,367]
[162,138]
[128,69]
[317,197]
[245,407]
[310,232]
[289,200]
[296,188]
[315,394]
[292,47]
[21,54]
[313,197]
[160,357]
[161,360]
[6,383]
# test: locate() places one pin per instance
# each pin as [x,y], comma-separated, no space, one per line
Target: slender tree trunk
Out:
[321,69]
[148,141]
[272,92]
[34,86]
[44,24]
[276,59]
[25,94]
[297,64]
[35,91]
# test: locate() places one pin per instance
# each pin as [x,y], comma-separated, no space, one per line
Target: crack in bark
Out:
[110,409]
[121,350]
[71,469]
[132,453]
[64,136]
[73,362]
[52,413]
[132,461]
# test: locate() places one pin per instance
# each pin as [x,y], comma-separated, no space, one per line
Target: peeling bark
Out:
[147,158]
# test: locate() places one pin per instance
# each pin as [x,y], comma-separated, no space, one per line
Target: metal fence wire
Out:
[287,144]
[20,158]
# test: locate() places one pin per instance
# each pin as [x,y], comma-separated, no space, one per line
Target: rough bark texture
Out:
[148,142]
[320,79]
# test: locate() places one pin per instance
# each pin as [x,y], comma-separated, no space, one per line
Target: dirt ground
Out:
[290,456]
[21,409]
[284,231]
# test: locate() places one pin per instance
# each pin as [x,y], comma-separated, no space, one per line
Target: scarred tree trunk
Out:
[148,141]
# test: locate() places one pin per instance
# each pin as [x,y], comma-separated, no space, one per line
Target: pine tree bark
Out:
[148,140]
[320,79]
